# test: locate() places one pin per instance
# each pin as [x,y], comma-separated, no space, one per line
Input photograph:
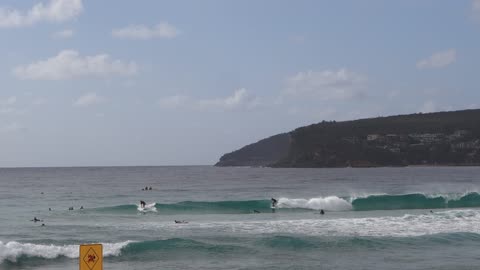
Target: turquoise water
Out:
[375,218]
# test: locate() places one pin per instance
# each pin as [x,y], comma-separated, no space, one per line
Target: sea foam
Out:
[12,250]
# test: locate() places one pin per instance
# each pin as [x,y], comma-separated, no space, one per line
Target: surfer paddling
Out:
[181,222]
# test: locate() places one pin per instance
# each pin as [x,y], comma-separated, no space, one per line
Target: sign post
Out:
[91,257]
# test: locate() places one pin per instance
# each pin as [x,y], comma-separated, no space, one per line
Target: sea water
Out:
[378,218]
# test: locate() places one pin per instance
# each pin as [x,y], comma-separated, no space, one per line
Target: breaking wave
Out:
[15,251]
[328,203]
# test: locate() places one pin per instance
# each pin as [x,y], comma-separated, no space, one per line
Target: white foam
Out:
[450,221]
[150,207]
[12,250]
[330,203]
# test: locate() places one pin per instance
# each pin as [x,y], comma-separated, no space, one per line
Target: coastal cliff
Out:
[441,138]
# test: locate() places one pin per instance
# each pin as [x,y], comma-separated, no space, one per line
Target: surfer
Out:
[81,207]
[49,209]
[70,208]
[274,203]
[256,211]
[322,212]
[35,219]
[142,204]
[150,188]
[181,222]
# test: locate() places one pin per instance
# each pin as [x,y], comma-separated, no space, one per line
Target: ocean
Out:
[375,218]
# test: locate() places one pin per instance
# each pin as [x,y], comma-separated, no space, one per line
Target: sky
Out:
[117,83]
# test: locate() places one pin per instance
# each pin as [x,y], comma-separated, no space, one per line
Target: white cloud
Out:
[67,33]
[327,85]
[53,11]
[88,100]
[161,30]
[8,101]
[240,99]
[438,60]
[69,64]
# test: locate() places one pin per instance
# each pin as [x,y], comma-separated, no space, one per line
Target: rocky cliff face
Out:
[262,153]
[443,138]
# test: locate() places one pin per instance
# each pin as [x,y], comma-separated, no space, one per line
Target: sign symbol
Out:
[91,258]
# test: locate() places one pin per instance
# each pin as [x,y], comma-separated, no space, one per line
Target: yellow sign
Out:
[91,257]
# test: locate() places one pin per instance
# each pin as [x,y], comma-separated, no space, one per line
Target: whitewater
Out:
[382,218]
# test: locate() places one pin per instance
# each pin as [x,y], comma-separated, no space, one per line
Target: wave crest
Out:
[330,203]
[12,251]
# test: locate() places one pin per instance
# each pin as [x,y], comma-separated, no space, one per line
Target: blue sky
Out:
[181,82]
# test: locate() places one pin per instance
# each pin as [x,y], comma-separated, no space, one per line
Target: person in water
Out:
[322,212]
[81,207]
[142,204]
[35,219]
[274,202]
[150,188]
[181,221]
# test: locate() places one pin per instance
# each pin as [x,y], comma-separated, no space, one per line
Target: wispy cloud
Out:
[53,11]
[327,84]
[476,6]
[12,127]
[67,33]
[88,99]
[438,60]
[240,99]
[8,106]
[39,101]
[69,64]
[8,101]
[161,30]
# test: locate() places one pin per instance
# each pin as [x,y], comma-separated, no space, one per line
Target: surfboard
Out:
[150,207]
